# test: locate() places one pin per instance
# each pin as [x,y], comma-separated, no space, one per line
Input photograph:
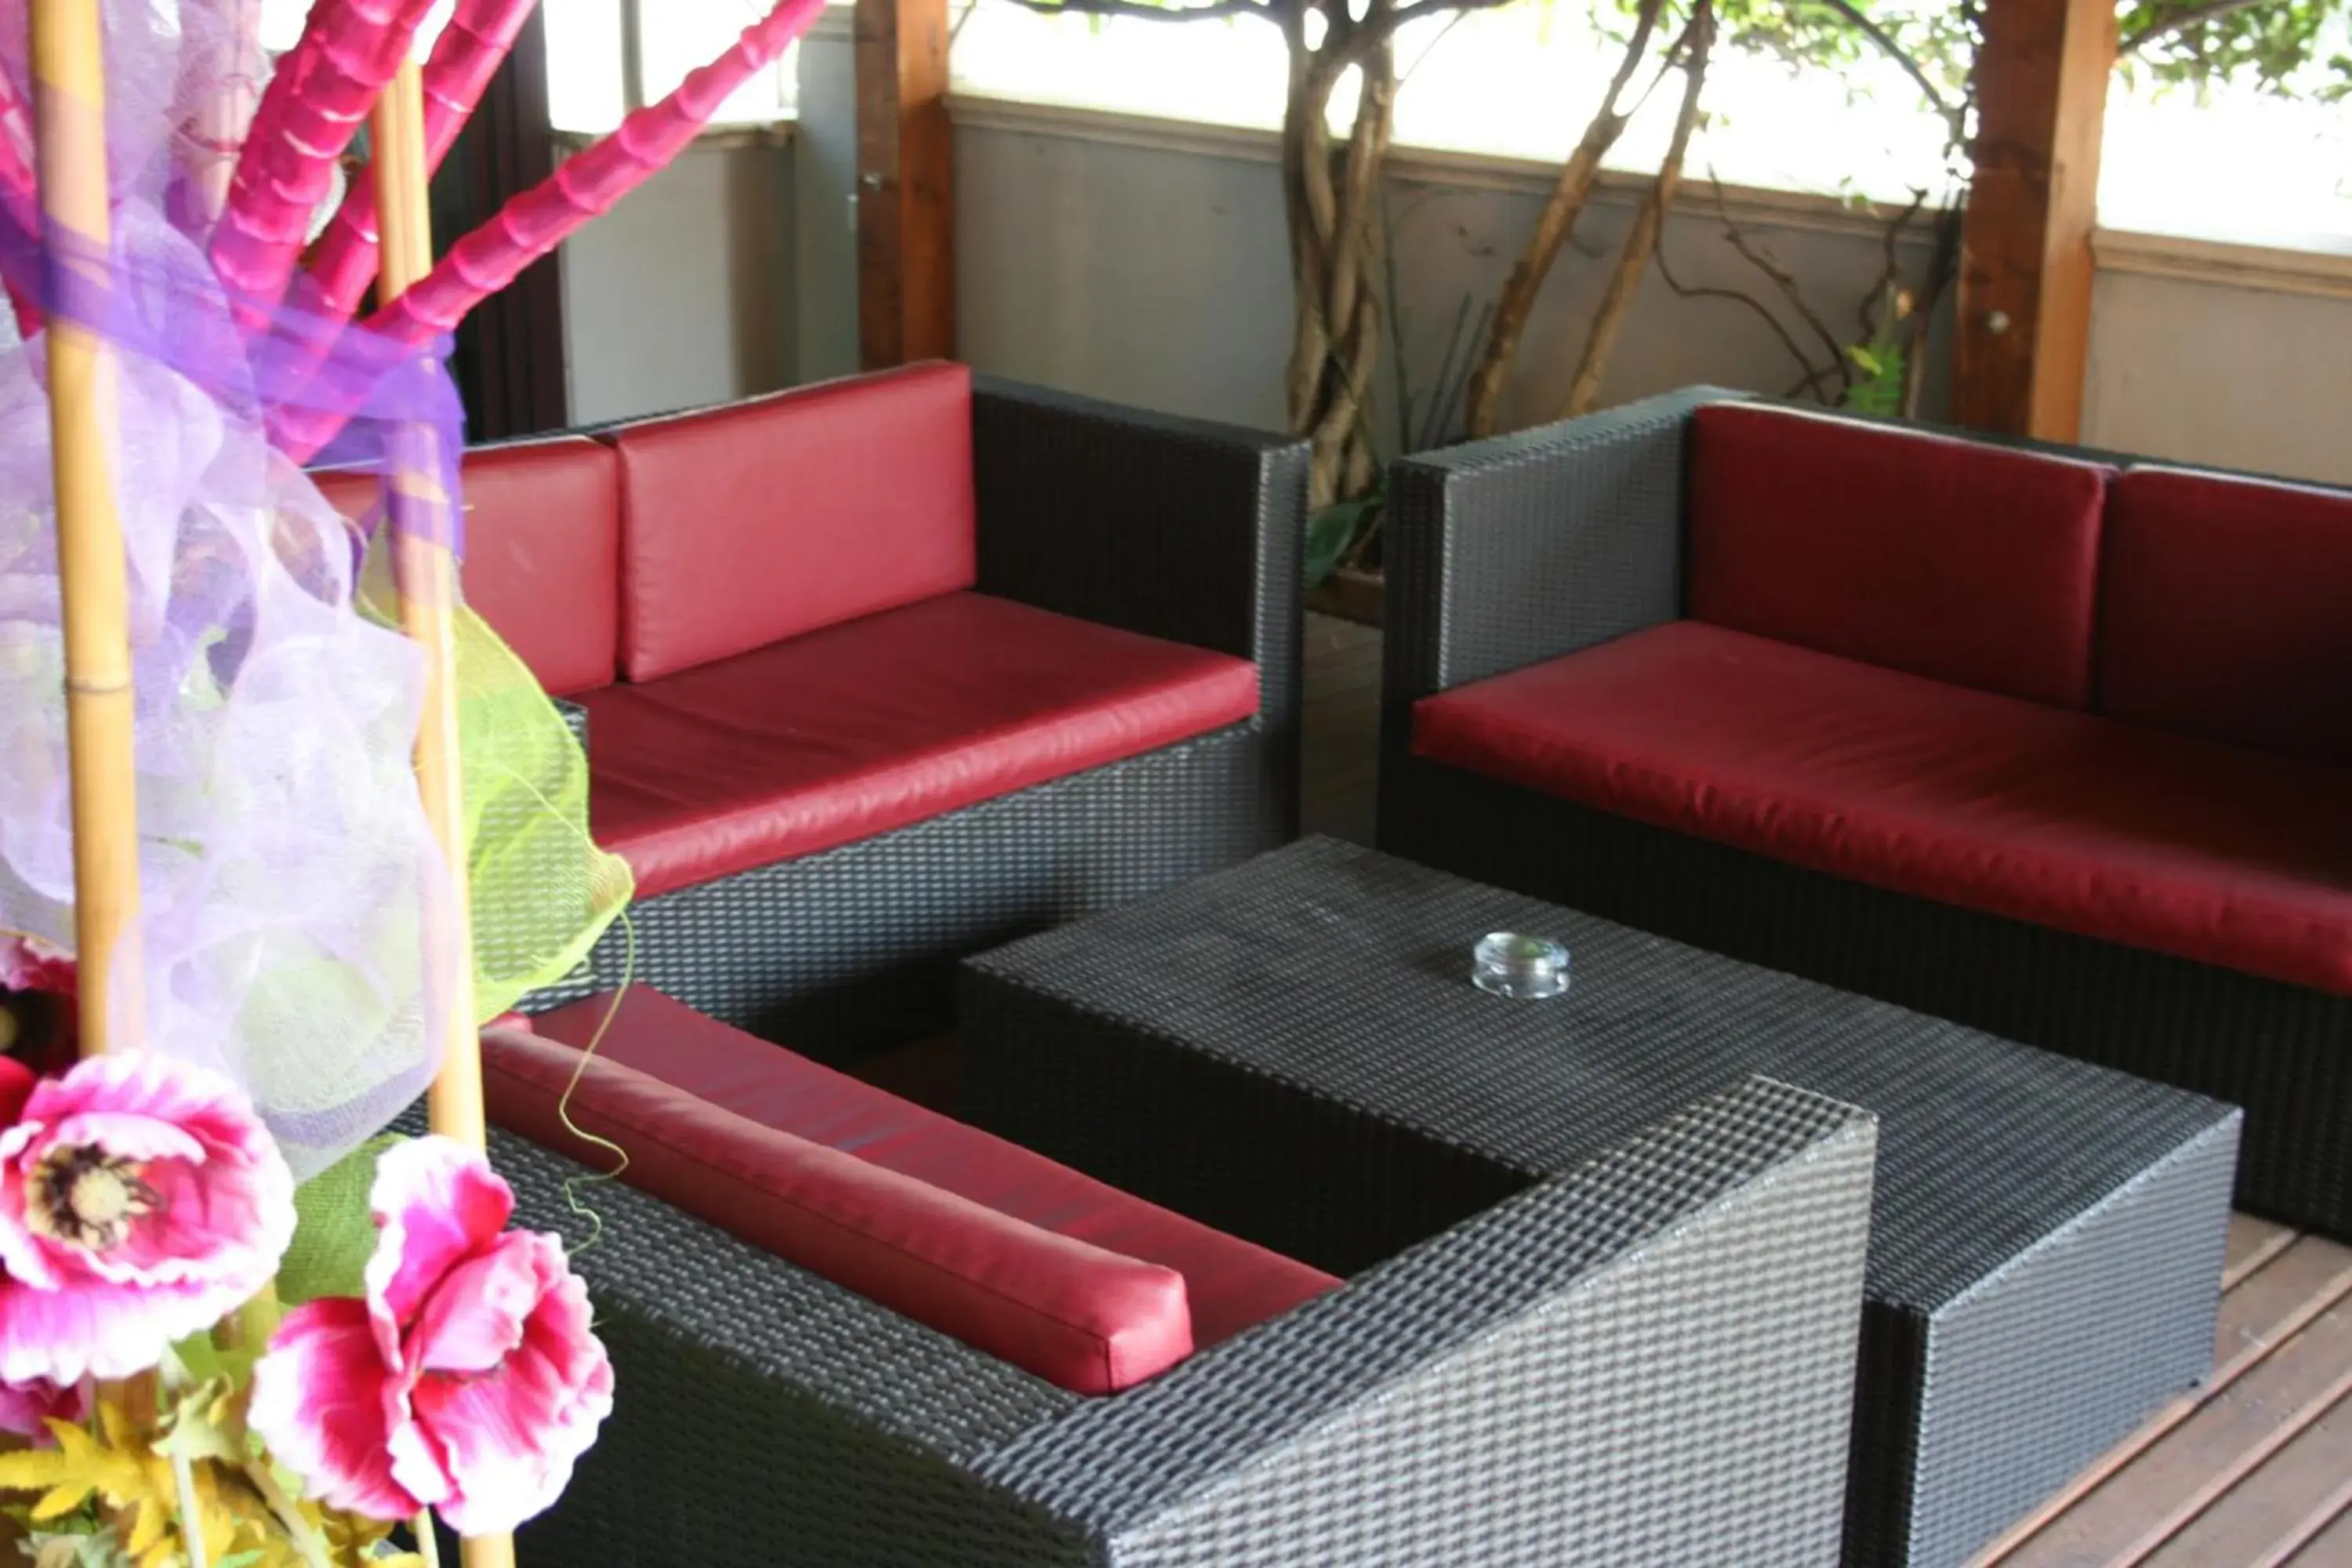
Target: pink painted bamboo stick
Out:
[19,194]
[465,57]
[542,217]
[311,111]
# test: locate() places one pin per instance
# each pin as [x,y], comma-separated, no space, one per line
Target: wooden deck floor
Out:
[2255,1470]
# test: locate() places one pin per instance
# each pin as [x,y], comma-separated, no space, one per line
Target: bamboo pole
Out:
[69,85]
[425,574]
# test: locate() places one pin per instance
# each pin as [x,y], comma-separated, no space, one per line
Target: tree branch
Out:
[1812,378]
[1897,53]
[1783,279]
[2180,22]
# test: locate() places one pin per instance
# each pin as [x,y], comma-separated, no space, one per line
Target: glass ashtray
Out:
[1524,968]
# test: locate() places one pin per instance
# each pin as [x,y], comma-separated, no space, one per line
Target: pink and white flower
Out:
[141,1201]
[26,964]
[467,1379]
[26,1411]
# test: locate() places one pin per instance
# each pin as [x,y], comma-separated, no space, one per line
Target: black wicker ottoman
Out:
[2047,1235]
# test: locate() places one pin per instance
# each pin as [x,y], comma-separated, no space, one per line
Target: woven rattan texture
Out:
[1578,1375]
[2100,1303]
[1628,1329]
[1324,972]
[2283,1052]
[848,951]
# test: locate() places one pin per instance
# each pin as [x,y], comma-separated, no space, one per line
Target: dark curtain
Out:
[509,359]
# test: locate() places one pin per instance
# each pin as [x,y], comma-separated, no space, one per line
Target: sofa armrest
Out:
[1505,552]
[1625,1362]
[1175,528]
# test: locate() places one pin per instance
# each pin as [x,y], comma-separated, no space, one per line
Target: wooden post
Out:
[2024,324]
[426,574]
[906,182]
[69,72]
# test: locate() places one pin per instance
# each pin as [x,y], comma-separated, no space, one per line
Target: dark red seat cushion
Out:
[542,552]
[745,525]
[2135,834]
[859,729]
[2225,609]
[1231,1284]
[1972,563]
[1073,1314]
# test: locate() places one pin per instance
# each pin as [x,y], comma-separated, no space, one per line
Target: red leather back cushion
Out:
[746,525]
[2225,609]
[1074,1313]
[543,553]
[1969,564]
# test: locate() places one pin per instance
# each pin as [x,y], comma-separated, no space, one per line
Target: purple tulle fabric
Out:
[289,883]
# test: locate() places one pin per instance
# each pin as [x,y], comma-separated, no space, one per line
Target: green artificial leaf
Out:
[199,1423]
[333,1232]
[1328,534]
[1865,358]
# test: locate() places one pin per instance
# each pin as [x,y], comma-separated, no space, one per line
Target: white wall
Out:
[2252,373]
[1135,260]
[683,294]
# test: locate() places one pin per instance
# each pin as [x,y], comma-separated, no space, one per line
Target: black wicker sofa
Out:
[2053,743]
[876,673]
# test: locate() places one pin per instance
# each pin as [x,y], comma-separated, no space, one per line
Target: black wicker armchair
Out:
[2115,838]
[1648,1360]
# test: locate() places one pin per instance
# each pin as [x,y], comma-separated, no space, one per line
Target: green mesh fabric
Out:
[543,891]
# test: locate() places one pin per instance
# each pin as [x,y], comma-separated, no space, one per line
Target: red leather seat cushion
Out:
[543,553]
[1968,563]
[1232,1284]
[1073,1314]
[859,729]
[2135,834]
[2225,608]
[754,522]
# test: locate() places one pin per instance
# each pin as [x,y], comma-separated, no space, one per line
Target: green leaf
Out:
[334,1231]
[1328,534]
[1865,358]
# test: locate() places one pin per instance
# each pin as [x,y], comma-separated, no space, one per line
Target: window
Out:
[591,67]
[1522,80]
[595,76]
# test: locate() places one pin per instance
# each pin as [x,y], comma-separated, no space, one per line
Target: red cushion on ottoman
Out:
[1232,1284]
[2124,832]
[859,729]
[1948,558]
[747,525]
[2225,608]
[1073,1314]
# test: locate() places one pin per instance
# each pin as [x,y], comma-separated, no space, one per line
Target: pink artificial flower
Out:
[26,1412]
[26,964]
[141,1201]
[466,1379]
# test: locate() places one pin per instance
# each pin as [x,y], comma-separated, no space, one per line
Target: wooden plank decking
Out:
[2254,1470]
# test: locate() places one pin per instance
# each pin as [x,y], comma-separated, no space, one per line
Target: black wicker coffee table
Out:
[2047,1235]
